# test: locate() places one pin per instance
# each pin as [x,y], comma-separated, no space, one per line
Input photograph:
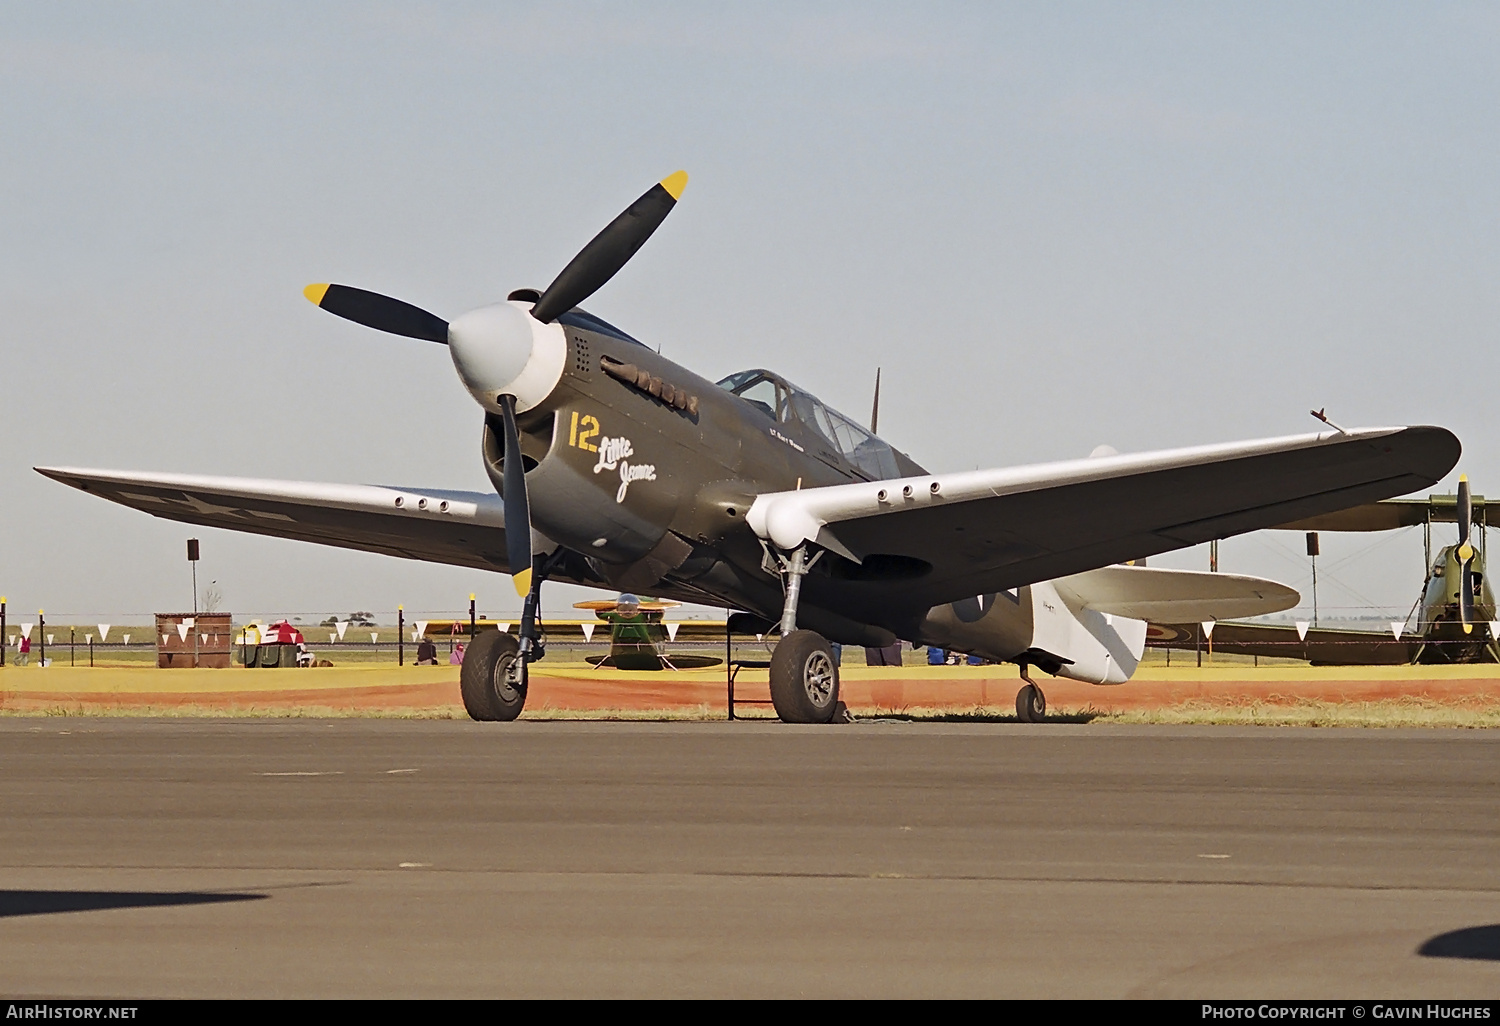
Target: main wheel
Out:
[489,693]
[1031,704]
[804,679]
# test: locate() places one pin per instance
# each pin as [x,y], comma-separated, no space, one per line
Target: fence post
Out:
[401,635]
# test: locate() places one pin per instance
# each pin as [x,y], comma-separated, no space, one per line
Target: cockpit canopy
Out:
[784,402]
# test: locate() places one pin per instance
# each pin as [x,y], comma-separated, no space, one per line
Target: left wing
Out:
[947,537]
[461,528]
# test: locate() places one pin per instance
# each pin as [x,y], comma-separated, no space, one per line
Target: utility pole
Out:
[193,561]
[41,635]
[471,618]
[1312,552]
[400,635]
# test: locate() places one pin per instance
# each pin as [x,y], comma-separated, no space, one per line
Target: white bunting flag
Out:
[127,639]
[760,637]
[104,632]
[672,631]
[1302,626]
[50,637]
[416,634]
[190,622]
[164,638]
[332,637]
[374,637]
[588,631]
[504,628]
[88,639]
[341,626]
[26,629]
[1397,626]
[421,626]
[15,641]
[1495,629]
[182,629]
[1208,628]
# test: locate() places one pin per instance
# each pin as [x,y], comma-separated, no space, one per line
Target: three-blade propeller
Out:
[586,273]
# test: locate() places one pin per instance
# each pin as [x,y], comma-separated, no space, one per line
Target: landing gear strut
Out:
[804,674]
[1031,704]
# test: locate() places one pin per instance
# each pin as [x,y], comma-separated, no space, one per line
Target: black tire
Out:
[488,695]
[804,679]
[1031,704]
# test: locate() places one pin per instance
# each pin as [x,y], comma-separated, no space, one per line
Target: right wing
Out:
[460,528]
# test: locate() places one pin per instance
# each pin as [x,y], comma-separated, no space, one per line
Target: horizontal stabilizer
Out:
[1172,596]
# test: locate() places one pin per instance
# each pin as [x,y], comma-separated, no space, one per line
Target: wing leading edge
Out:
[460,528]
[971,533]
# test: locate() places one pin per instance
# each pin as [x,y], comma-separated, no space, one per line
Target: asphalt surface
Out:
[373,858]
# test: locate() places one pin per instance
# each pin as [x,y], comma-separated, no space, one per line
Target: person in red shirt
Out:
[25,653]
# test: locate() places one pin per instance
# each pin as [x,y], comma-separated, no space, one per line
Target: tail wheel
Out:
[493,685]
[1031,704]
[804,679]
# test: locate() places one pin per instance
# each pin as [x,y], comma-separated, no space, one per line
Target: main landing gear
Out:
[494,675]
[804,674]
[1031,704]
[493,678]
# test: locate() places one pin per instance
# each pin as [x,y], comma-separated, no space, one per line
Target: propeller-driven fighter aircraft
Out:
[617,468]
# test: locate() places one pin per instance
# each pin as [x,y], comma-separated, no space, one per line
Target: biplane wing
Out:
[1321,646]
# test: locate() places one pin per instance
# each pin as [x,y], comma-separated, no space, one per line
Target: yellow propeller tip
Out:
[523,583]
[315,293]
[674,184]
[1468,627]
[1466,552]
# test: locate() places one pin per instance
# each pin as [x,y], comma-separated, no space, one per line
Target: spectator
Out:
[456,657]
[426,652]
[888,656]
[24,656]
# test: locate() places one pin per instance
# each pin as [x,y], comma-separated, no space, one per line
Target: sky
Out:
[1052,226]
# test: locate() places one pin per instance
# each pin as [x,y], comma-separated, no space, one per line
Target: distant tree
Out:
[213,598]
[362,619]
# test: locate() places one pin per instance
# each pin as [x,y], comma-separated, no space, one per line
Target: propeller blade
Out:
[1465,510]
[379,312]
[1465,555]
[610,250]
[1466,596]
[517,508]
